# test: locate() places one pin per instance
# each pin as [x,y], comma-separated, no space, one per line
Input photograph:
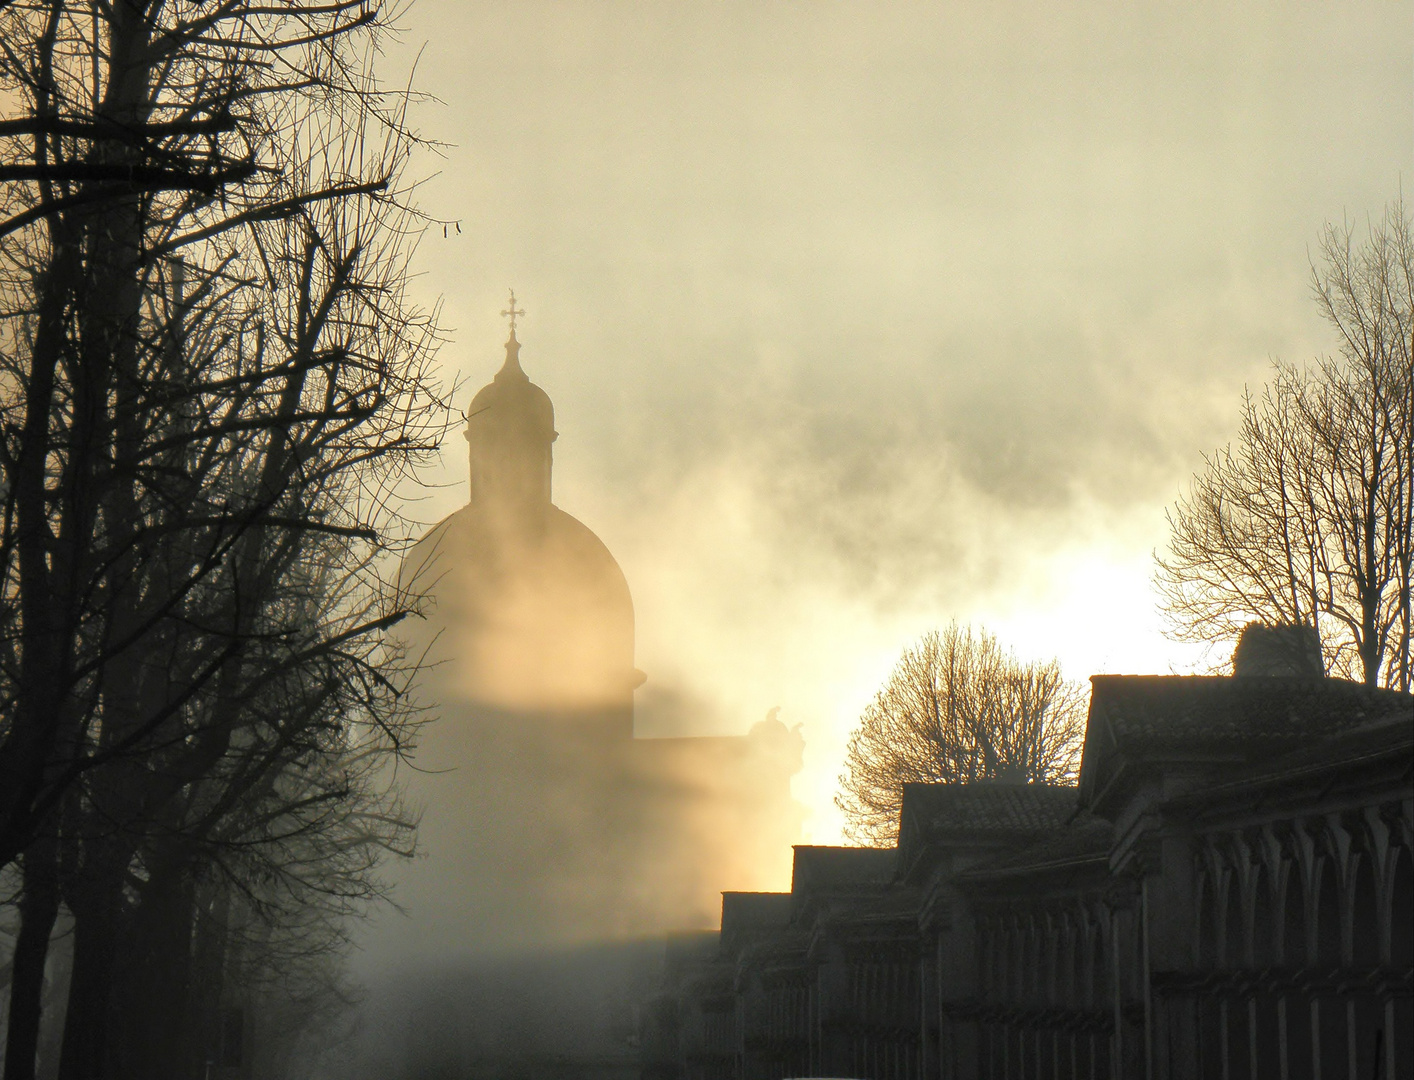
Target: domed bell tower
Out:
[510,429]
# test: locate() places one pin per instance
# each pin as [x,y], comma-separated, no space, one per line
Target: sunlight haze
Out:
[860,318]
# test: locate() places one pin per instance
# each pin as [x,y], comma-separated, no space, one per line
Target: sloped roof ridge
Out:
[1220,708]
[838,864]
[1390,734]
[998,805]
[1088,839]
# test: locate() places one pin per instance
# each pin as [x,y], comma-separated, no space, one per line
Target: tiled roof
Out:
[895,902]
[1183,710]
[1355,751]
[1084,841]
[747,915]
[1391,732]
[781,950]
[818,865]
[988,806]
[1223,723]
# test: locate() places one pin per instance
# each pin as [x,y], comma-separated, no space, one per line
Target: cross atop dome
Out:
[512,367]
[512,311]
[509,428]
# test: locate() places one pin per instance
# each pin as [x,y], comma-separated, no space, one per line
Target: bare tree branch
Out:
[957,708]
[1308,519]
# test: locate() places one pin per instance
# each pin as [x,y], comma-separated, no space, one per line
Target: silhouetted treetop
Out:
[957,708]
[1307,518]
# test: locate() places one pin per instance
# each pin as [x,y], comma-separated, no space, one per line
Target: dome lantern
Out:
[509,431]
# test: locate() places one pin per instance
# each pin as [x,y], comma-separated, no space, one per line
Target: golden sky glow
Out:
[860,317]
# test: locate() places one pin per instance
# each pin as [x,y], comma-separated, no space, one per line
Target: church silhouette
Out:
[551,837]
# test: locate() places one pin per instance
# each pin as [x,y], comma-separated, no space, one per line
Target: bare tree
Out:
[126,420]
[210,383]
[246,898]
[262,853]
[957,708]
[1308,519]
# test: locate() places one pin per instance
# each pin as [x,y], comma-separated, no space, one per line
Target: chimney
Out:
[1290,650]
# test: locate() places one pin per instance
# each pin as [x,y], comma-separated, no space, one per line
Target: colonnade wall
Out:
[1248,922]
[1301,940]
[1045,1000]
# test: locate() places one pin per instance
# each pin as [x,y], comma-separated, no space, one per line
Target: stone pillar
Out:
[959,985]
[833,1011]
[1170,902]
[928,1016]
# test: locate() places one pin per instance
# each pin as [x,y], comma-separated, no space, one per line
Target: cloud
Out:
[861,317]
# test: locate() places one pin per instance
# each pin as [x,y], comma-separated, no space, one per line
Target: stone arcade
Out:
[1227,893]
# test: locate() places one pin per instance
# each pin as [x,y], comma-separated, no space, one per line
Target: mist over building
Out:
[555,847]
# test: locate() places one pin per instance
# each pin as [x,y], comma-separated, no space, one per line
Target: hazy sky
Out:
[860,317]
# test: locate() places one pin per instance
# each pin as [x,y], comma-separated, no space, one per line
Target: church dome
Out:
[537,623]
[526,607]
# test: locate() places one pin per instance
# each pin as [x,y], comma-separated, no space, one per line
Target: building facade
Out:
[1226,893]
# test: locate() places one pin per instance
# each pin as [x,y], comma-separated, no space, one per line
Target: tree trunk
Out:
[96,903]
[39,906]
[153,1005]
[210,972]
